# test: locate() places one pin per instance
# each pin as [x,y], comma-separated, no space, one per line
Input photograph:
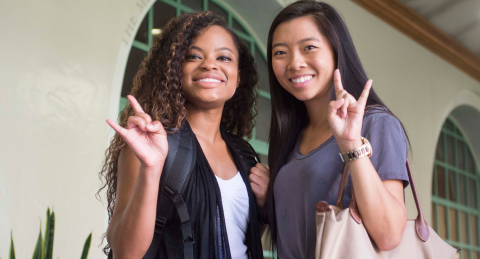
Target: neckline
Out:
[299,155]
[200,149]
[236,175]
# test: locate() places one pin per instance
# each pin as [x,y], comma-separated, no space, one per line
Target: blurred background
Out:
[66,66]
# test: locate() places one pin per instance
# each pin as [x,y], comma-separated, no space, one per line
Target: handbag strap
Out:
[421,225]
[343,184]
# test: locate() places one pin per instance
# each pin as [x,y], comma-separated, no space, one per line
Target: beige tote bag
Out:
[341,234]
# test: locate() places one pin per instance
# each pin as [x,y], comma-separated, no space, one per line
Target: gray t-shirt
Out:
[306,179]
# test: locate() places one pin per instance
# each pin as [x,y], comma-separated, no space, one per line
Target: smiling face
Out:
[302,59]
[210,69]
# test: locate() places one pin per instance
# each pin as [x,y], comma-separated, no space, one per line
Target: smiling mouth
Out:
[302,79]
[208,80]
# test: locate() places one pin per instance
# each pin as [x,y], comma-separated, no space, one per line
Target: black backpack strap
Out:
[176,171]
[246,152]
[249,159]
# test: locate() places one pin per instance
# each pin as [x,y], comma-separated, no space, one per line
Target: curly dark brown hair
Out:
[158,88]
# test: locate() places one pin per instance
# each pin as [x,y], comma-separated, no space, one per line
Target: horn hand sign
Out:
[345,115]
[147,139]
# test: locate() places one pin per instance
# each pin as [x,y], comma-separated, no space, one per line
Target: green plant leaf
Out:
[86,247]
[37,253]
[12,247]
[49,234]
[45,236]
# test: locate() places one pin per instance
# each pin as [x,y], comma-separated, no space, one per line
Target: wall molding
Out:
[415,26]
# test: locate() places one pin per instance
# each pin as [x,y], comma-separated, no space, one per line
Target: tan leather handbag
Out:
[340,233]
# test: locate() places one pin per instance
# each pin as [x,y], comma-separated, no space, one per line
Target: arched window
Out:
[455,200]
[157,17]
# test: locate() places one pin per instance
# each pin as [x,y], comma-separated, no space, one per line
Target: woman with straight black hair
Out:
[323,106]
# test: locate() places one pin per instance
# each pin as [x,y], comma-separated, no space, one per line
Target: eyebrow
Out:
[298,42]
[217,49]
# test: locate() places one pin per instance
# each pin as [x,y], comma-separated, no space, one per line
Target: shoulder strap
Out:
[246,152]
[176,172]
[249,158]
[343,184]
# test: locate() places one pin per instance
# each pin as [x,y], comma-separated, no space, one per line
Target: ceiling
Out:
[458,18]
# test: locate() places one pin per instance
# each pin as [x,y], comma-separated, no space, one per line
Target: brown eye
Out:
[224,58]
[193,57]
[310,47]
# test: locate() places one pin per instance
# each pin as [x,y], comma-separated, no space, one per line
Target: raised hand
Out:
[147,139]
[259,179]
[345,115]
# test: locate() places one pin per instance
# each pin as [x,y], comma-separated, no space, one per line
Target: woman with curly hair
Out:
[198,77]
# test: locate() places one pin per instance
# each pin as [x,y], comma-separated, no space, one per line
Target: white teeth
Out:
[209,80]
[301,79]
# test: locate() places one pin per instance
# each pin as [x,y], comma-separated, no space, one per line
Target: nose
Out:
[296,62]
[209,64]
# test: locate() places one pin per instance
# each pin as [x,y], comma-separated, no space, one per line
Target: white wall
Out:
[57,61]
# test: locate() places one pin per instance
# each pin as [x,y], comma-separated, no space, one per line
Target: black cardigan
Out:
[203,199]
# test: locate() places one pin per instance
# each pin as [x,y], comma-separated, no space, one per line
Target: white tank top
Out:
[235,209]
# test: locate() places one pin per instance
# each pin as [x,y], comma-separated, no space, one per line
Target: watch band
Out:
[363,150]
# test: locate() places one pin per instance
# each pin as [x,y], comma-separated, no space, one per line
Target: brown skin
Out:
[299,49]
[213,55]
[206,101]
[158,88]
[140,164]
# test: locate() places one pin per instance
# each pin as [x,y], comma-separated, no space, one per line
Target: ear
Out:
[238,79]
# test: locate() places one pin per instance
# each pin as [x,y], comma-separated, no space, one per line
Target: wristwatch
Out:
[363,150]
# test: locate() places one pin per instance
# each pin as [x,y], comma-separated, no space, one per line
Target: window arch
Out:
[455,192]
[157,17]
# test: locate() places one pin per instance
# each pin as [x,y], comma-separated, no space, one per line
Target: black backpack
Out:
[176,172]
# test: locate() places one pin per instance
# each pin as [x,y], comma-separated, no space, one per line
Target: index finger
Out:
[337,81]
[366,91]
[261,166]
[260,170]
[136,106]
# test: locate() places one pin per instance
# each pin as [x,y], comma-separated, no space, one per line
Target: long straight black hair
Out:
[289,115]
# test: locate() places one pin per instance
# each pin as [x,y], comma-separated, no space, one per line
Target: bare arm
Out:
[131,229]
[140,165]
[380,204]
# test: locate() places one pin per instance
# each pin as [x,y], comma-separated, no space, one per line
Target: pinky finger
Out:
[255,187]
[119,129]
